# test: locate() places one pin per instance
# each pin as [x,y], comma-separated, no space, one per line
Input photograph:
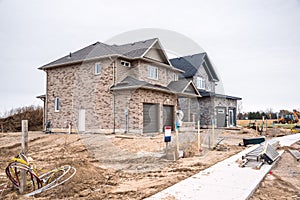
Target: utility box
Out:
[168,133]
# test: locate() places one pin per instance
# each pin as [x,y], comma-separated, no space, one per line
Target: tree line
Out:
[11,120]
[268,114]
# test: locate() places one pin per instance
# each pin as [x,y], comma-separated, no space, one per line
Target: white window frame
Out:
[125,63]
[152,72]
[57,104]
[200,83]
[97,68]
[175,77]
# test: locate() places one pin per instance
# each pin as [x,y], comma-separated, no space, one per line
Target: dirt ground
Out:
[113,167]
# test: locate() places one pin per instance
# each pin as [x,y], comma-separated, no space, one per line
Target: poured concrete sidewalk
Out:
[224,180]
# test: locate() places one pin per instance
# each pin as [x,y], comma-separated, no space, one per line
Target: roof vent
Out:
[125,63]
[133,43]
[70,55]
[96,43]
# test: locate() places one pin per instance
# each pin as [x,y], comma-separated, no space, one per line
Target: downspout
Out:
[46,101]
[114,101]
[114,98]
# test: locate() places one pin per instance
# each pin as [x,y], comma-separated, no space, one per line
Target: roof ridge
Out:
[132,43]
[187,56]
[98,49]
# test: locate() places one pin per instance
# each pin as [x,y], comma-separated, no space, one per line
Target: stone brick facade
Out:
[133,101]
[88,101]
[204,108]
[209,86]
[78,88]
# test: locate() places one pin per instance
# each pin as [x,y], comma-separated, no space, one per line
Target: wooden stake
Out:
[24,147]
[256,126]
[213,133]
[263,123]
[24,150]
[266,125]
[177,139]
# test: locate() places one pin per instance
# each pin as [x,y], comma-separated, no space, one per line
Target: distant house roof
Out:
[191,64]
[180,87]
[98,49]
[212,94]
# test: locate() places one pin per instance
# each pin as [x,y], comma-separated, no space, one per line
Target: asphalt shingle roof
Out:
[130,82]
[205,93]
[98,49]
[176,87]
[179,85]
[191,64]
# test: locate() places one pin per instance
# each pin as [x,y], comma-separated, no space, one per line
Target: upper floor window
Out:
[57,104]
[175,77]
[97,68]
[152,72]
[200,83]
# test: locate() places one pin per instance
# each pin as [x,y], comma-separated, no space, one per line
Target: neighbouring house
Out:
[199,69]
[115,88]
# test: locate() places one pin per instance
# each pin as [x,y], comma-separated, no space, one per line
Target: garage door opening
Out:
[150,117]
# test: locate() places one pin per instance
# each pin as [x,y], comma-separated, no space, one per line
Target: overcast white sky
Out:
[254,44]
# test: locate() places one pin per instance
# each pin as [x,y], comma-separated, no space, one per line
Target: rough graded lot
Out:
[113,167]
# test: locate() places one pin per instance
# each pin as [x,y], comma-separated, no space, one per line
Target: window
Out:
[200,83]
[125,63]
[97,68]
[152,72]
[175,77]
[57,104]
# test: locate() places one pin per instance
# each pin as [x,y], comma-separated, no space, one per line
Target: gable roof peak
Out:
[96,43]
[191,64]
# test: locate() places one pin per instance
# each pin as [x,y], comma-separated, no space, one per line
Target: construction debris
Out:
[265,153]
[257,140]
[219,140]
[295,129]
[36,183]
[295,153]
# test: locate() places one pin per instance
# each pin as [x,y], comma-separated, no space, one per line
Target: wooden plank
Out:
[124,137]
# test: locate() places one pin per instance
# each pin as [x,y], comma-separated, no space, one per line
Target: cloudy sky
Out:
[254,44]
